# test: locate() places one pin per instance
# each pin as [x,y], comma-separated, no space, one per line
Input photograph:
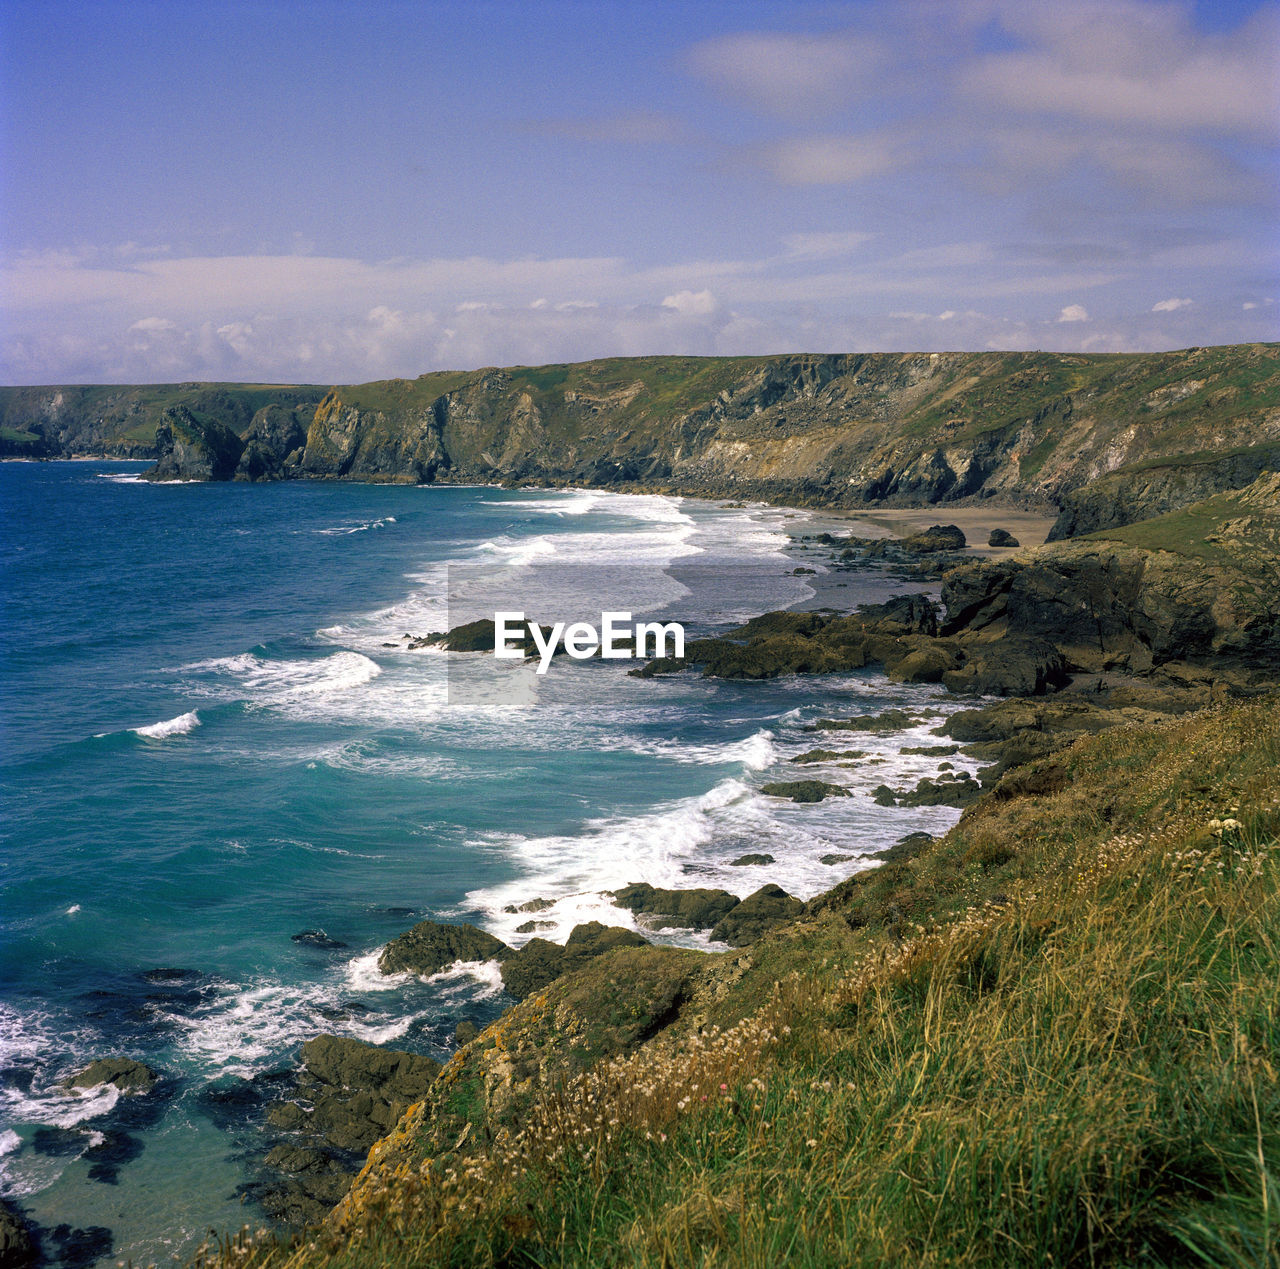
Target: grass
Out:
[1051,1038]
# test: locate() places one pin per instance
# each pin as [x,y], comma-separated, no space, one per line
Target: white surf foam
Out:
[179,726]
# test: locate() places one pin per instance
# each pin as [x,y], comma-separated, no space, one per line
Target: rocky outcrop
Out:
[345,1097]
[540,962]
[1151,489]
[431,946]
[125,1074]
[697,909]
[274,444]
[190,447]
[804,790]
[757,913]
[17,1249]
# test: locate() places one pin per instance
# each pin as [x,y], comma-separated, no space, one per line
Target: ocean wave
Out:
[178,726]
[362,526]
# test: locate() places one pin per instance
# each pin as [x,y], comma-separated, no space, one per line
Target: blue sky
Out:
[333,192]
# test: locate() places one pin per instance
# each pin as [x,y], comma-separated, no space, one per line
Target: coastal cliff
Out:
[1107,438]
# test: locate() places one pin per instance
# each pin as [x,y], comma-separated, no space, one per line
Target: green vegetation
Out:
[1051,1037]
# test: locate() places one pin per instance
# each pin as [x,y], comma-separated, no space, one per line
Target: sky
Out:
[334,191]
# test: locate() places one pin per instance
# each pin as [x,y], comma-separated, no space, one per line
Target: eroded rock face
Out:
[192,448]
[431,946]
[17,1250]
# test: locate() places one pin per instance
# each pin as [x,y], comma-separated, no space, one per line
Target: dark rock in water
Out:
[886,720]
[124,1073]
[931,751]
[60,1143]
[769,906]
[531,905]
[938,537]
[398,912]
[801,572]
[540,962]
[17,1249]
[836,859]
[431,946]
[465,1032]
[109,1155]
[750,861]
[1002,537]
[687,909]
[827,755]
[531,927]
[804,790]
[883,795]
[169,975]
[74,1248]
[317,938]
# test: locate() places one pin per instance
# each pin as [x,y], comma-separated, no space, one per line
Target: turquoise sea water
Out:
[215,737]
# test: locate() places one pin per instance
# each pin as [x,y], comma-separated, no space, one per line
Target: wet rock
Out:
[923,665]
[958,789]
[750,861]
[827,755]
[540,962]
[531,927]
[758,912]
[883,795]
[804,790]
[17,1249]
[168,974]
[465,1032]
[123,1073]
[905,848]
[531,905]
[836,859]
[317,938]
[887,720]
[687,909]
[431,946]
[1002,537]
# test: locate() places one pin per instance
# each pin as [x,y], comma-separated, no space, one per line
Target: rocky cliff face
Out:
[1108,438]
[194,448]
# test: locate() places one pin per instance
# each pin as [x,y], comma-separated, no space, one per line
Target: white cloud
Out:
[151,325]
[792,74]
[830,160]
[1074,313]
[1130,63]
[824,246]
[690,303]
[1169,306]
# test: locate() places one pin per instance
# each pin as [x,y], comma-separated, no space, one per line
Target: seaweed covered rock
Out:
[938,537]
[125,1074]
[431,946]
[697,909]
[804,790]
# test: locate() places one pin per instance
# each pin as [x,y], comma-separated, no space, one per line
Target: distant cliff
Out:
[1106,438]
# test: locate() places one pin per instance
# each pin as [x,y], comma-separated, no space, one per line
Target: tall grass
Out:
[1073,1062]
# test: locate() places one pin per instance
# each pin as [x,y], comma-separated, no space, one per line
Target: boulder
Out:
[886,720]
[827,755]
[938,537]
[317,938]
[769,906]
[122,1073]
[1002,537]
[804,790]
[688,909]
[431,946]
[750,861]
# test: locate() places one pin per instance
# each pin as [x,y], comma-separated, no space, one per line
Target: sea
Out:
[216,736]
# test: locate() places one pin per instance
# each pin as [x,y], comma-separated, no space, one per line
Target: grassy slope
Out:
[1053,1037]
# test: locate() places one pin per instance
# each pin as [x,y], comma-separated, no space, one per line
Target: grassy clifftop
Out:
[1050,1037]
